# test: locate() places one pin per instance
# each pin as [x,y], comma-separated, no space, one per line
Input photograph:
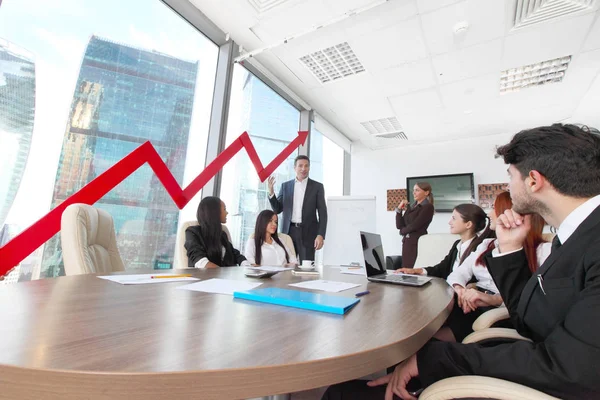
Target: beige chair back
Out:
[287,242]
[88,241]
[433,247]
[181,253]
[548,236]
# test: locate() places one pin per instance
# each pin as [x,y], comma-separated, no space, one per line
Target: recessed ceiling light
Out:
[542,73]
[333,63]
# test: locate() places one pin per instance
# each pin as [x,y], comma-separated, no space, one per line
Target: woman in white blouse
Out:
[472,302]
[265,248]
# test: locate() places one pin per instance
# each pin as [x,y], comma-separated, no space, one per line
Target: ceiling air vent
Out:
[531,12]
[542,73]
[333,63]
[262,6]
[387,128]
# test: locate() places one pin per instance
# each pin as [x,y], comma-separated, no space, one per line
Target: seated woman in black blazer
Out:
[207,244]
[466,220]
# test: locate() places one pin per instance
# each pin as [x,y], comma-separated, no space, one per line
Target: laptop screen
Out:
[373,253]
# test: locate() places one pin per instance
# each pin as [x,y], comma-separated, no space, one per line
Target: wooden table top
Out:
[62,337]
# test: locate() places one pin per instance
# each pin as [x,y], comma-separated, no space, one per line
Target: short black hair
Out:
[568,156]
[301,157]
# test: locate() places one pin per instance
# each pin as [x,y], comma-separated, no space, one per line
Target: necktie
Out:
[555,243]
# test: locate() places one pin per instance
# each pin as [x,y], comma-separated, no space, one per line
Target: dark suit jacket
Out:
[444,267]
[416,219]
[564,323]
[314,202]
[196,249]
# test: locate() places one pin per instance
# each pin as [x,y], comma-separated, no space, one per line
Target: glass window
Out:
[326,163]
[272,124]
[86,83]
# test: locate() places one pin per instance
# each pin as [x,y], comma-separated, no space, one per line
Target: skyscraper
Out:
[272,124]
[123,97]
[17,108]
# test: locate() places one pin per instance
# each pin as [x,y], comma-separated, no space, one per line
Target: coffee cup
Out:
[307,264]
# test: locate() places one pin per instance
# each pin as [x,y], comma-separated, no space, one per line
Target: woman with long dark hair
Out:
[472,302]
[207,244]
[466,221]
[266,248]
[412,220]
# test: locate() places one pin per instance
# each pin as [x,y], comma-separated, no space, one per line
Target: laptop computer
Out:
[375,267]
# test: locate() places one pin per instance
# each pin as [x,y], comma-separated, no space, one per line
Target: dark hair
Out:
[426,187]
[533,239]
[568,156]
[301,157]
[260,232]
[474,214]
[209,219]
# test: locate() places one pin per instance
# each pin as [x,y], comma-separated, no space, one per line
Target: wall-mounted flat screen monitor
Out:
[448,190]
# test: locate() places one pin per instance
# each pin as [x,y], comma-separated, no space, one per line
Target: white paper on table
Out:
[142,279]
[353,271]
[221,286]
[269,268]
[327,286]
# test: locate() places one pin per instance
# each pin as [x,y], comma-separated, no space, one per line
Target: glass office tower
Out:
[123,97]
[272,124]
[17,109]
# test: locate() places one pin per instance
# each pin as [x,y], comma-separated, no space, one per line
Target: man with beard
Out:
[554,171]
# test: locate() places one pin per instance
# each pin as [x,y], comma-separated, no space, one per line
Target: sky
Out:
[57,32]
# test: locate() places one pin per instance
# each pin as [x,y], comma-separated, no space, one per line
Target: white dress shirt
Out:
[462,247]
[299,191]
[201,263]
[569,224]
[271,254]
[463,274]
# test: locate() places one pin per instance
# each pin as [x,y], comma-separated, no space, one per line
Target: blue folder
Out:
[298,299]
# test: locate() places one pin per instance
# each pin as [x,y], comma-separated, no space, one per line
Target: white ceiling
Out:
[439,85]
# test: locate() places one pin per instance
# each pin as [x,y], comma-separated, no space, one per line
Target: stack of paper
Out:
[327,286]
[270,268]
[221,286]
[353,271]
[141,279]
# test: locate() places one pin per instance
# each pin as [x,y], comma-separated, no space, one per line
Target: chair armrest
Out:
[393,262]
[489,318]
[460,387]
[494,333]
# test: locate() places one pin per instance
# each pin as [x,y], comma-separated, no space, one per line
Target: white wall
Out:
[376,171]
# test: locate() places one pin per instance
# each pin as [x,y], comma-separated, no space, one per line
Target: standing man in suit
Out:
[554,171]
[302,201]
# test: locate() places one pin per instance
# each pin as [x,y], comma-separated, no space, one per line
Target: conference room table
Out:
[81,337]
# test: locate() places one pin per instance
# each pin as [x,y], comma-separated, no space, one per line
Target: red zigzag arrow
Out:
[37,234]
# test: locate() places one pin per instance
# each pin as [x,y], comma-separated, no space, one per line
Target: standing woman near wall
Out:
[413,220]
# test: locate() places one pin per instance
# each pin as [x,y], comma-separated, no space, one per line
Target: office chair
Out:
[287,242]
[88,241]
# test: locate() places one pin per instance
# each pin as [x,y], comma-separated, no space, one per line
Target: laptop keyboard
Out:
[400,278]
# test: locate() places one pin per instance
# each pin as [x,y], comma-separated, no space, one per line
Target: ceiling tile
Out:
[388,13]
[359,97]
[390,46]
[470,93]
[469,62]
[406,78]
[593,38]
[291,18]
[486,19]
[426,6]
[545,42]
[423,102]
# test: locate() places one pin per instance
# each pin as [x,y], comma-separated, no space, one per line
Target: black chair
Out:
[393,262]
